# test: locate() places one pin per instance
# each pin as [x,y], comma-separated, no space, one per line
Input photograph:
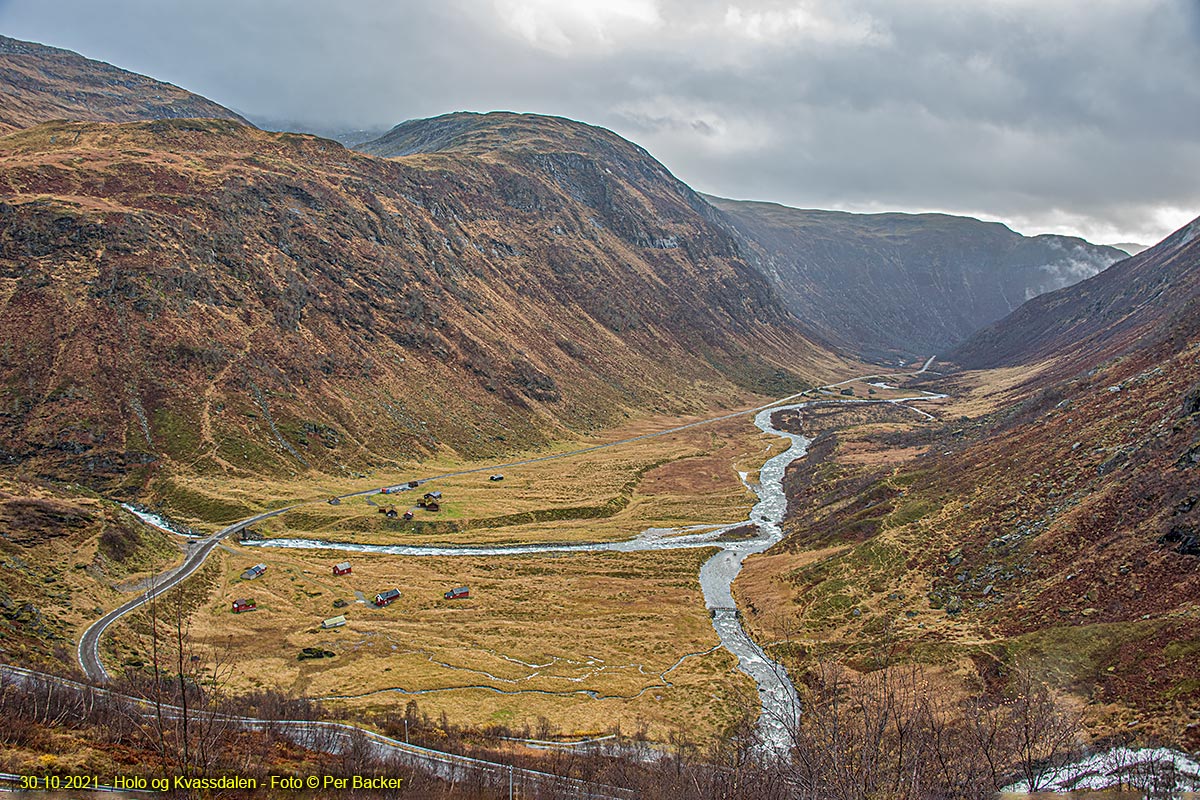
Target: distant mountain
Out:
[273,302]
[1133,303]
[47,83]
[1133,248]
[347,135]
[1048,521]
[889,285]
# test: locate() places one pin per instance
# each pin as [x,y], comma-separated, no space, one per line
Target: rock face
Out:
[1140,300]
[201,292]
[46,83]
[904,285]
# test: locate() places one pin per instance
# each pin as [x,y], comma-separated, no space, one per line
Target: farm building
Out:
[432,505]
[342,568]
[334,622]
[244,605]
[413,484]
[433,495]
[256,571]
[496,477]
[391,513]
[383,599]
[458,593]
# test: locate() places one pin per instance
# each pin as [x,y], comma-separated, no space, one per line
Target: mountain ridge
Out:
[44,83]
[294,269]
[1097,319]
[896,284]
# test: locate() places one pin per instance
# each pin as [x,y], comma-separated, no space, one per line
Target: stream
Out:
[779,702]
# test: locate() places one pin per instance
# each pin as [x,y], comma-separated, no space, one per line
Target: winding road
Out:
[778,696]
[197,553]
[340,737]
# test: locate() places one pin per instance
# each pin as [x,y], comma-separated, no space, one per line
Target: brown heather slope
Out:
[1136,300]
[208,297]
[1048,521]
[41,83]
[62,549]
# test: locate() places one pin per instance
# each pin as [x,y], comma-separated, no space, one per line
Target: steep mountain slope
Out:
[46,83]
[588,163]
[905,284]
[1051,522]
[200,295]
[1114,311]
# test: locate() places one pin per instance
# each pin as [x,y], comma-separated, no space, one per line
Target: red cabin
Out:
[342,568]
[244,605]
[383,599]
[458,593]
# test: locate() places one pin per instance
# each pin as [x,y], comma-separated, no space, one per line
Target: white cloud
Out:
[696,125]
[565,28]
[805,23]
[1057,115]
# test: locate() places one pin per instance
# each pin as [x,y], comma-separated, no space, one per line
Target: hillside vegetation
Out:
[47,83]
[205,296]
[1050,523]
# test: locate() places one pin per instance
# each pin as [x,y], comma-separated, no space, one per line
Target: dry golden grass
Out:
[586,640]
[685,478]
[981,392]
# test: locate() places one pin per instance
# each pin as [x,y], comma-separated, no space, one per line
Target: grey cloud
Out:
[1068,115]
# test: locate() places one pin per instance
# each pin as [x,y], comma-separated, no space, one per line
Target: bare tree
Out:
[1045,733]
[185,719]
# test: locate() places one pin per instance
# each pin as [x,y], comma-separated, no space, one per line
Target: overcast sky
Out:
[1066,116]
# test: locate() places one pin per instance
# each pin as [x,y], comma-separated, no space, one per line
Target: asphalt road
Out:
[89,643]
[338,737]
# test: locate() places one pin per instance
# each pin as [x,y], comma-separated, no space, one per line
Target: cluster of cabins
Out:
[432,501]
[381,600]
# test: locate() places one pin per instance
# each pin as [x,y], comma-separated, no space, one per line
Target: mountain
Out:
[1133,248]
[1047,523]
[888,285]
[348,135]
[47,83]
[203,296]
[1131,305]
